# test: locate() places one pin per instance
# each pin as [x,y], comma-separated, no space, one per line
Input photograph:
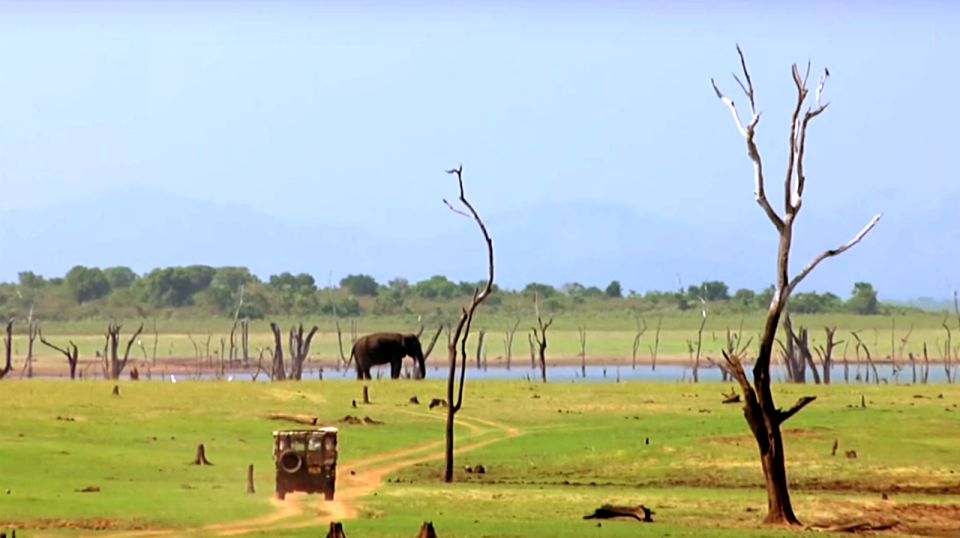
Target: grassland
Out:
[553,453]
[609,337]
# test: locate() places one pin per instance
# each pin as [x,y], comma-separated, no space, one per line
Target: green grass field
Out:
[553,453]
[608,337]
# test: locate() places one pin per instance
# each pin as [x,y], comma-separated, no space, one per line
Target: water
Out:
[666,373]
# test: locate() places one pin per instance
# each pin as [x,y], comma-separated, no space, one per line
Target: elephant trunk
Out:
[422,365]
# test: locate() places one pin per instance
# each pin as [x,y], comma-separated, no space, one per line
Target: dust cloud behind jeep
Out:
[306,460]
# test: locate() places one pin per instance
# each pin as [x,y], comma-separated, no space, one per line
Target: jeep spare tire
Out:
[291,461]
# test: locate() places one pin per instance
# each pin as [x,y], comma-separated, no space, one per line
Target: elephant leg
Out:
[395,368]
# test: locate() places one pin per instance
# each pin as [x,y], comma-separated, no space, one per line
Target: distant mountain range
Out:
[555,243]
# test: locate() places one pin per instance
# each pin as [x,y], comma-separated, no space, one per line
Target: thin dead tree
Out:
[655,348]
[353,339]
[299,349]
[461,331]
[156,341]
[7,350]
[699,348]
[641,329]
[432,344]
[278,371]
[947,350]
[540,337]
[70,352]
[33,328]
[113,348]
[481,333]
[533,351]
[825,352]
[761,412]
[582,333]
[861,345]
[508,341]
[233,328]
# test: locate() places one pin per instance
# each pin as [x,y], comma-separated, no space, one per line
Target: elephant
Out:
[382,348]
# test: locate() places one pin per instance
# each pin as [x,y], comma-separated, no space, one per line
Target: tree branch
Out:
[801,403]
[831,253]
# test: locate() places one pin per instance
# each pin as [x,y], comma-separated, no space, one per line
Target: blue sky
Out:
[314,113]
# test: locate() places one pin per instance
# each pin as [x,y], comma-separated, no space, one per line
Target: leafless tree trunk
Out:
[870,363]
[533,352]
[797,355]
[33,328]
[926,364]
[508,341]
[113,340]
[760,410]
[462,331]
[277,370]
[432,344]
[245,341]
[737,347]
[156,341]
[947,351]
[540,337]
[71,353]
[480,334]
[699,348]
[825,353]
[641,328]
[8,350]
[583,350]
[233,328]
[299,350]
[655,348]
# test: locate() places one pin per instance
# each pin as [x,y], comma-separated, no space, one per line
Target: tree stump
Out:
[437,402]
[116,390]
[427,531]
[201,458]
[836,445]
[640,512]
[366,394]
[134,374]
[414,400]
[336,530]
[250,488]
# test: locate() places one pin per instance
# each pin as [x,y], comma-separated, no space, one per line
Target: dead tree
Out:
[278,371]
[870,363]
[761,412]
[233,328]
[825,352]
[8,350]
[112,348]
[431,345]
[655,348]
[540,337]
[71,353]
[582,332]
[156,341]
[947,351]
[533,351]
[699,348]
[508,341]
[735,346]
[641,328]
[461,331]
[33,328]
[480,334]
[299,350]
[799,357]
[353,339]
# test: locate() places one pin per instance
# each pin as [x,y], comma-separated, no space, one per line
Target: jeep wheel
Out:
[290,461]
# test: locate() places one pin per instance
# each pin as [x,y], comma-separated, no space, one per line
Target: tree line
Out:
[117,292]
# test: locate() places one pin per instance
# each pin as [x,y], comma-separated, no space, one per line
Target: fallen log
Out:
[640,512]
[427,531]
[855,526]
[299,419]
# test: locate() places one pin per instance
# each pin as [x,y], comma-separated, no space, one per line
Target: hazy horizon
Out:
[149,134]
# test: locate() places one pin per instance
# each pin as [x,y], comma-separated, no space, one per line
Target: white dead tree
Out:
[760,410]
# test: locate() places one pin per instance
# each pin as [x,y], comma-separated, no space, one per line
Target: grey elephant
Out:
[383,348]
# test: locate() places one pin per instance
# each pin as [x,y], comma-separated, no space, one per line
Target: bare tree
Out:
[582,332]
[825,352]
[481,333]
[278,371]
[233,328]
[655,348]
[113,348]
[299,350]
[70,352]
[508,341]
[760,410]
[540,337]
[33,328]
[8,350]
[699,348]
[641,328]
[156,341]
[861,345]
[461,331]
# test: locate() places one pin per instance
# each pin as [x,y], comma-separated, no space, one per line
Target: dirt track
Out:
[355,481]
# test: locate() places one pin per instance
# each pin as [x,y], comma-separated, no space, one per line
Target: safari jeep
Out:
[306,460]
